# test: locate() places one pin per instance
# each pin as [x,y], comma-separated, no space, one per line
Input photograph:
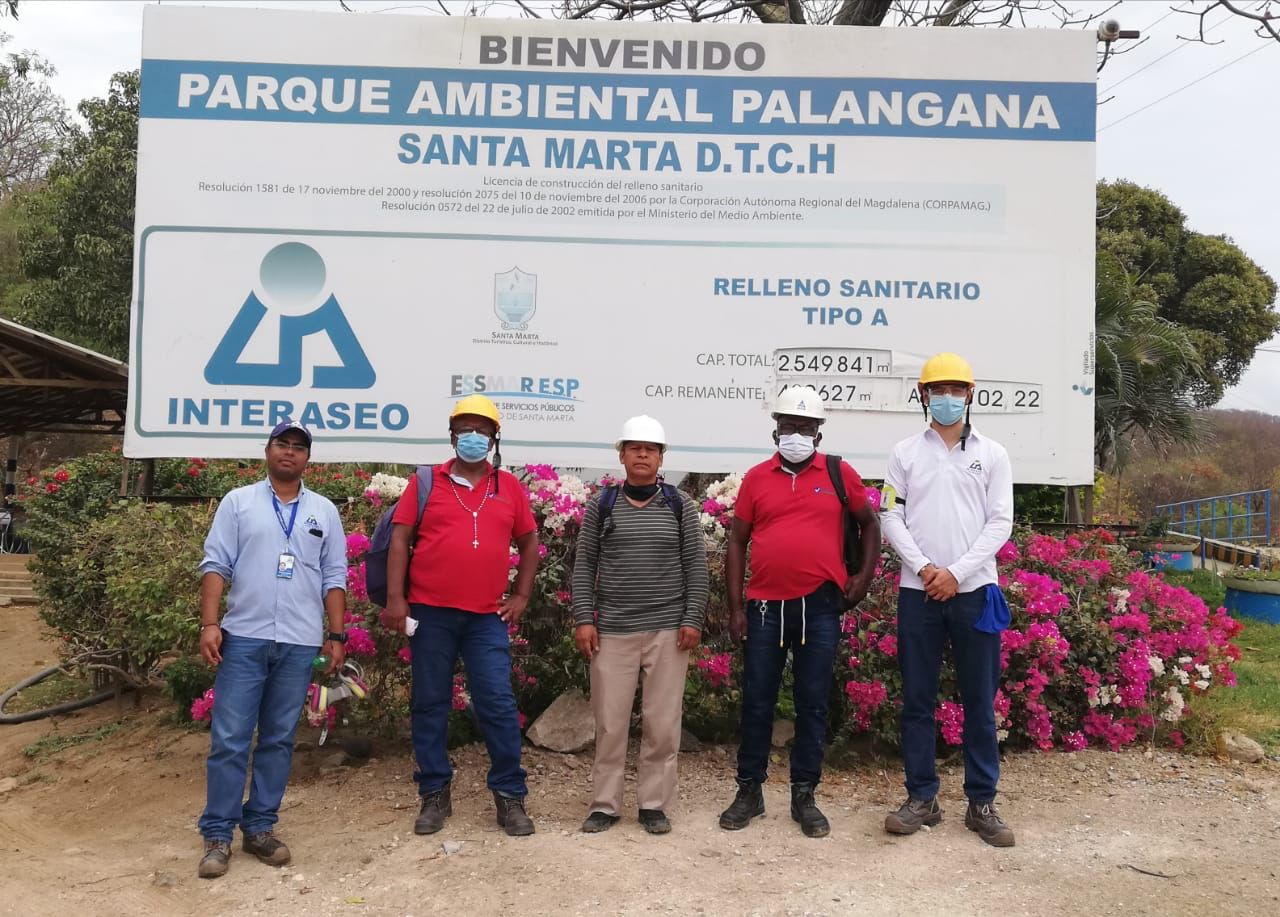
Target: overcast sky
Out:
[1209,140]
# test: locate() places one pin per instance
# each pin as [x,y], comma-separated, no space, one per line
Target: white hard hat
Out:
[801,401]
[642,429]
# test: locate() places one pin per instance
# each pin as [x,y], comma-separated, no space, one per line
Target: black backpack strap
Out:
[837,479]
[608,497]
[676,502]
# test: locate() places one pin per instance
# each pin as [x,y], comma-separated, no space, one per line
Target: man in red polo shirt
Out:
[789,511]
[457,581]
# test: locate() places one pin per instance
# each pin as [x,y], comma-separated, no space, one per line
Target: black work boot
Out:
[805,811]
[511,814]
[436,807]
[983,818]
[745,806]
[913,815]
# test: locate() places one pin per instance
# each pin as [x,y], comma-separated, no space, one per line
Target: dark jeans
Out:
[481,639]
[924,625]
[260,684]
[810,628]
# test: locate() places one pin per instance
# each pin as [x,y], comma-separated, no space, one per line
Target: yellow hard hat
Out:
[480,406]
[946,367]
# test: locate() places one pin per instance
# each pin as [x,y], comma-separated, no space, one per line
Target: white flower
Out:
[1205,671]
[1173,712]
[1202,684]
[1002,734]
[1157,665]
[1182,676]
[388,486]
[1122,599]
[1184,660]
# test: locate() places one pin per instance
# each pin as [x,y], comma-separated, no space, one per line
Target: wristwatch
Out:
[336,637]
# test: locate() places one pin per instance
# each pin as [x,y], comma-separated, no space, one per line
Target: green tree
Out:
[77,242]
[1204,283]
[1145,365]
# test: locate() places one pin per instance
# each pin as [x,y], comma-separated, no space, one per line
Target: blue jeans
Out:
[481,639]
[924,626]
[260,684]
[810,629]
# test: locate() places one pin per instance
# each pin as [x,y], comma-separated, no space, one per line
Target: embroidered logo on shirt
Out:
[976,466]
[312,520]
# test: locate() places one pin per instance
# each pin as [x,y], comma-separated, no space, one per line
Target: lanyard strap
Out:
[293,516]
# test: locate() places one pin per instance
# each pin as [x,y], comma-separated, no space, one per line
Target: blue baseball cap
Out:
[285,426]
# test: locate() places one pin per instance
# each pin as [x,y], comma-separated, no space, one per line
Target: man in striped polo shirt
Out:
[640,586]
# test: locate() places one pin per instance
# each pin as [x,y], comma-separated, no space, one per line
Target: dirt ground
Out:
[108,827]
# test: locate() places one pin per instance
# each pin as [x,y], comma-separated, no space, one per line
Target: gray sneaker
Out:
[913,815]
[216,859]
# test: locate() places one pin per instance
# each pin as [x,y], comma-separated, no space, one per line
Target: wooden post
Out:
[146,483]
[1088,504]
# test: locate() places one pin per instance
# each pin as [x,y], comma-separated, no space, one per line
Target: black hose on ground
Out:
[7,719]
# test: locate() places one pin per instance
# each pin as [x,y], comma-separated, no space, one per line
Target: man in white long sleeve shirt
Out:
[955,511]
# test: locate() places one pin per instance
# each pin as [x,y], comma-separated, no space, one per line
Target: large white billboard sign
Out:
[353,220]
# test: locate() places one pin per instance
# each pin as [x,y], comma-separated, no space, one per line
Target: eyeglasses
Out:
[959,389]
[285,445]
[787,428]
[463,430]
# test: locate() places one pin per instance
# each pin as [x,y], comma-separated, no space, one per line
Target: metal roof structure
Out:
[50,385]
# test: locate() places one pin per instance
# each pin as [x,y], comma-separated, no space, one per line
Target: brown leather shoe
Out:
[984,819]
[216,859]
[268,848]
[913,815]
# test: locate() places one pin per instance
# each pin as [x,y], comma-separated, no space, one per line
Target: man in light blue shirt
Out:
[282,549]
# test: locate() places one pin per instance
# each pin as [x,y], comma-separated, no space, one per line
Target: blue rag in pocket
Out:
[995,616]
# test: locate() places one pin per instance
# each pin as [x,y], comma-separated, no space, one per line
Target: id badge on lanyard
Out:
[284,565]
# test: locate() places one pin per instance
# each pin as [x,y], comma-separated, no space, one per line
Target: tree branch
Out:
[1264,17]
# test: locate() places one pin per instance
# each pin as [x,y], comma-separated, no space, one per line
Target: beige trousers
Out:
[653,660]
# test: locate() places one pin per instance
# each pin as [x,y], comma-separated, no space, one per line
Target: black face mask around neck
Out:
[640,491]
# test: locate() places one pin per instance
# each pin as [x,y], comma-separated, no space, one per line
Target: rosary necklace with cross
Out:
[475,513]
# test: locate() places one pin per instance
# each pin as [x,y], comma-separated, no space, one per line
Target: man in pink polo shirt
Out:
[457,581]
[789,511]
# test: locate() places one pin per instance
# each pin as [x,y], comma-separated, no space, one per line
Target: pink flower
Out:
[521,718]
[359,643]
[1074,741]
[867,697]
[62,476]
[51,488]
[717,668]
[405,655]
[357,545]
[950,717]
[357,585]
[889,645]
[202,707]
[873,498]
[1009,554]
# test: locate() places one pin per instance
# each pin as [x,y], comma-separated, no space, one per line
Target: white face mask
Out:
[795,447]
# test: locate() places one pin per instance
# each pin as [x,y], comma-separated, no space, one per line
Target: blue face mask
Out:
[946,409]
[472,447]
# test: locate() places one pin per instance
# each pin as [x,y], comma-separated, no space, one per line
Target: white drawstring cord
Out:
[782,620]
[802,621]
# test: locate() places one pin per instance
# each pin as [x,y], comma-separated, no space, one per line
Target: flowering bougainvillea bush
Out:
[1100,652]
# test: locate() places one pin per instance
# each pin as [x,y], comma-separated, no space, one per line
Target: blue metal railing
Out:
[1243,517]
